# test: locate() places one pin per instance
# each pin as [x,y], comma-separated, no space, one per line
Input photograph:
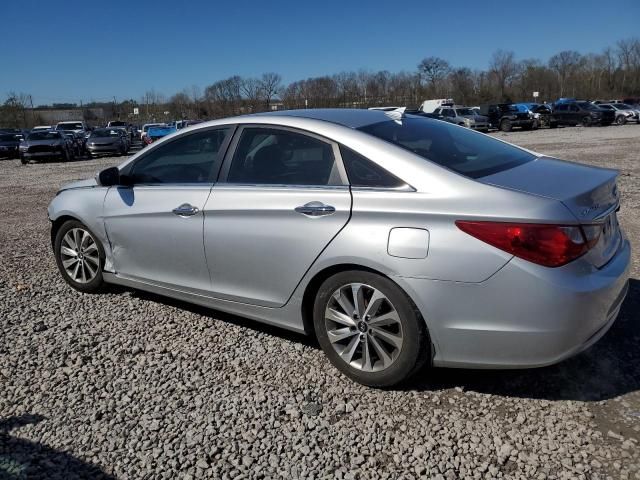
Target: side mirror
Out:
[109,177]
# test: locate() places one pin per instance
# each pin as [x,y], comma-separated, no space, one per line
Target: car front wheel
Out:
[79,257]
[369,329]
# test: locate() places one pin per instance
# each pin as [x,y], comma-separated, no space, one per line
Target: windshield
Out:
[587,106]
[622,106]
[466,152]
[464,111]
[104,132]
[117,124]
[69,126]
[44,136]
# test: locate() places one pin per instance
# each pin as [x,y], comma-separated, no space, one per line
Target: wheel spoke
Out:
[374,303]
[350,349]
[382,353]
[390,338]
[92,247]
[94,258]
[340,334]
[366,356]
[344,303]
[338,317]
[90,269]
[68,252]
[69,262]
[75,271]
[389,318]
[358,298]
[85,240]
[68,238]
[77,237]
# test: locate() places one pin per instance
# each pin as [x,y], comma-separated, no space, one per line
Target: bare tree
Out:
[253,92]
[433,70]
[504,68]
[271,86]
[565,64]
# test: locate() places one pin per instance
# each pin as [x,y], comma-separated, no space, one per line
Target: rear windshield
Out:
[69,126]
[7,138]
[466,152]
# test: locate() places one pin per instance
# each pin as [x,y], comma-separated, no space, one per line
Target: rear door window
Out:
[271,156]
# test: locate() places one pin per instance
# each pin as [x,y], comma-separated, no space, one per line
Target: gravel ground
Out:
[131,385]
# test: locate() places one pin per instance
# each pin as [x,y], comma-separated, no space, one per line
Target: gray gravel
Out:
[131,385]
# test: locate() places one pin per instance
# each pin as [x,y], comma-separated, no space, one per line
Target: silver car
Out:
[396,240]
[464,116]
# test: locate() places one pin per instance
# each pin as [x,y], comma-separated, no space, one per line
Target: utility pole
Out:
[33,114]
[114,107]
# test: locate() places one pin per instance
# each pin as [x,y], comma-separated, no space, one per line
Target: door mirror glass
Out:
[109,177]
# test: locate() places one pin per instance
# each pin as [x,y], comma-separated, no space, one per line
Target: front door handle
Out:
[185,210]
[315,209]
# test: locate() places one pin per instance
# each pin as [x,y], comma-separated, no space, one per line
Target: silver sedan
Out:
[398,241]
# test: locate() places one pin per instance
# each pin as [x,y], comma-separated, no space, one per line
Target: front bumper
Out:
[49,154]
[525,315]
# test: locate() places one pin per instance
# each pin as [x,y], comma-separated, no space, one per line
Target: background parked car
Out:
[505,116]
[582,112]
[46,145]
[624,113]
[463,116]
[145,129]
[542,113]
[156,133]
[77,142]
[106,140]
[9,143]
[77,126]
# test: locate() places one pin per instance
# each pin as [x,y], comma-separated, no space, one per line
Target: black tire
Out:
[66,156]
[505,125]
[415,349]
[553,125]
[587,121]
[621,120]
[23,160]
[97,283]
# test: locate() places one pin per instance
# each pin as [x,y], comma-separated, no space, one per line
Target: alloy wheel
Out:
[363,327]
[79,255]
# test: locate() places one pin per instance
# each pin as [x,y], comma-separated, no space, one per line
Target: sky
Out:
[89,50]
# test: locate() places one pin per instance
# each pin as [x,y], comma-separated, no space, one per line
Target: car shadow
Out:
[23,459]
[608,369]
[243,322]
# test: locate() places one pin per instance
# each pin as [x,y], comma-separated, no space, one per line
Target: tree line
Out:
[612,73]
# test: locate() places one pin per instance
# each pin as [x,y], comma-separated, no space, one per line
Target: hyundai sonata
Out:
[396,240]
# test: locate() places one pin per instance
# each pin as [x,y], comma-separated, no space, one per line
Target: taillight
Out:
[548,245]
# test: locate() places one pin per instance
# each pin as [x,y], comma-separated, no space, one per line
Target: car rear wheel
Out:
[79,257]
[505,125]
[369,329]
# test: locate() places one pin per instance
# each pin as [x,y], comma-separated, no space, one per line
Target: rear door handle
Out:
[315,209]
[185,210]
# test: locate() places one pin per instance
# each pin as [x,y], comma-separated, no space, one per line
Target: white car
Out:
[428,106]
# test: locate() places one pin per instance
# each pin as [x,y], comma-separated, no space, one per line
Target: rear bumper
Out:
[523,316]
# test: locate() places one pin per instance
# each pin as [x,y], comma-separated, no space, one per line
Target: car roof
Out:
[347,117]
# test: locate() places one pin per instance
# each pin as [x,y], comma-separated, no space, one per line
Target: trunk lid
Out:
[590,193]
